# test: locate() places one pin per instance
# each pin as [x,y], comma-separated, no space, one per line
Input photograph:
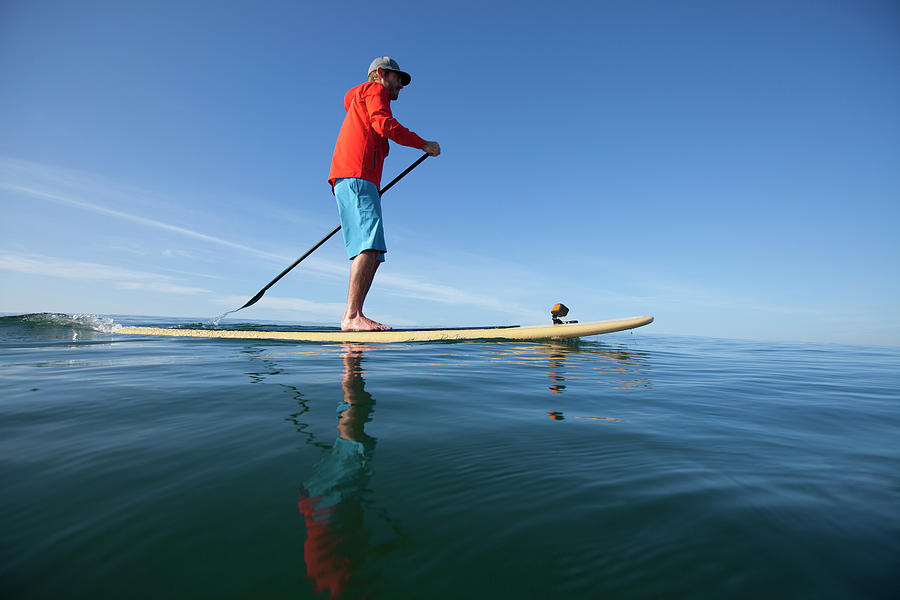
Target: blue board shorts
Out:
[359,206]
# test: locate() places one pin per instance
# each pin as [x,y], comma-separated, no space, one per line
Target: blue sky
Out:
[732,168]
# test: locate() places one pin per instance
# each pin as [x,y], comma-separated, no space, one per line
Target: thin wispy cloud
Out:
[33,264]
[161,287]
[168,252]
[96,208]
[195,274]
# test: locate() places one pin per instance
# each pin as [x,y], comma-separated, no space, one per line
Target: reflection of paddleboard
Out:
[538,332]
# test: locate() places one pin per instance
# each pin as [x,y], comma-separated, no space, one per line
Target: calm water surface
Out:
[630,465]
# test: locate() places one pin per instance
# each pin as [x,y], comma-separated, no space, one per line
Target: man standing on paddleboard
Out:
[355,178]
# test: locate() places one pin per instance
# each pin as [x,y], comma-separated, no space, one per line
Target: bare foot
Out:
[362,323]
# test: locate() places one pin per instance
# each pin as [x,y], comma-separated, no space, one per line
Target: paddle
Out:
[259,295]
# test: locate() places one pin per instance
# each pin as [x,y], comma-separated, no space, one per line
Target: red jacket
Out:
[362,143]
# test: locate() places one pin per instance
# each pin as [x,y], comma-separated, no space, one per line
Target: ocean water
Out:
[630,465]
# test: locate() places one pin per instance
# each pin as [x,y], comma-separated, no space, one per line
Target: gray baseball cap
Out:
[386,62]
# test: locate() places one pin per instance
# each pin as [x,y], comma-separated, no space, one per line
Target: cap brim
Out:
[404,77]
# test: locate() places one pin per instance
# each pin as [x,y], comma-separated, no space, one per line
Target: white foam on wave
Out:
[95,323]
[76,321]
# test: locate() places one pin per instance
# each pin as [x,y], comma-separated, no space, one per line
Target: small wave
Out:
[77,321]
[194,325]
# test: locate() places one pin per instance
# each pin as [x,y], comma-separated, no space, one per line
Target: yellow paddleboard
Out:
[537,332]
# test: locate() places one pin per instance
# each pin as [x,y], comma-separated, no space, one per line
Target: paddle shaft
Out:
[259,295]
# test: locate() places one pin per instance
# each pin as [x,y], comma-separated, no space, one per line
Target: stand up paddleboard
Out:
[558,330]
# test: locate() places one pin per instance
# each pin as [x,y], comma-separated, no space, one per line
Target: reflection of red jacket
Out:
[324,563]
[362,143]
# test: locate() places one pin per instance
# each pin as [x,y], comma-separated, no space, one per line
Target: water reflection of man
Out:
[331,500]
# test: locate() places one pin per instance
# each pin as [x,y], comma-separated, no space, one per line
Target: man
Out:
[355,178]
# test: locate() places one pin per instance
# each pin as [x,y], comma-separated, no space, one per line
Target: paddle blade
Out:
[254,299]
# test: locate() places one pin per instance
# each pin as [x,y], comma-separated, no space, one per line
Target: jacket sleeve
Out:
[383,121]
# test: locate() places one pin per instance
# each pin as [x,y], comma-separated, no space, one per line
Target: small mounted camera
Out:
[560,310]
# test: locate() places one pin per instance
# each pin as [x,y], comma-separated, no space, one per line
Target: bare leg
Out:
[362,272]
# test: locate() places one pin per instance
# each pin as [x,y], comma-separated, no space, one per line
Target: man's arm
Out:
[384,123]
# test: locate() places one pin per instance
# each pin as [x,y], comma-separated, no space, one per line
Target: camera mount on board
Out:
[560,310]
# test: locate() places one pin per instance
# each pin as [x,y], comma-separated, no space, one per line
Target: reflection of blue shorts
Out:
[359,206]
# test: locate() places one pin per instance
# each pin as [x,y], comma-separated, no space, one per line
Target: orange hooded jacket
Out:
[362,143]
